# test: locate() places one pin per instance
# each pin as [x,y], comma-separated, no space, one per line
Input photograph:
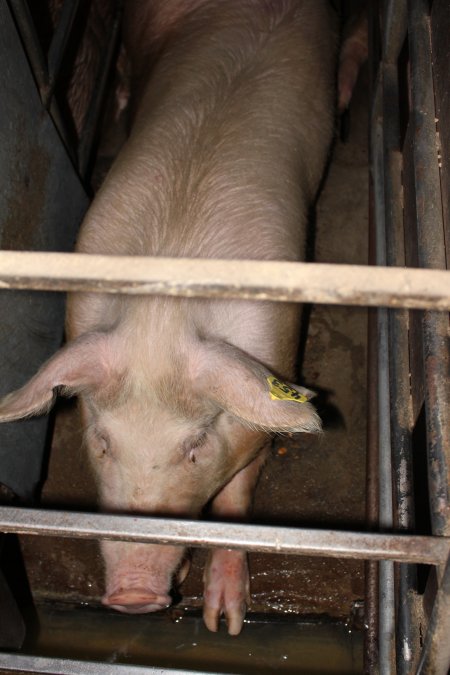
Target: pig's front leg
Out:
[226,576]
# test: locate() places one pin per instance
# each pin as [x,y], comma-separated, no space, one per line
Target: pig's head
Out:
[164,434]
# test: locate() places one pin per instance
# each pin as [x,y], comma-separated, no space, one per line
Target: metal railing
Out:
[407,207]
[47,71]
[390,285]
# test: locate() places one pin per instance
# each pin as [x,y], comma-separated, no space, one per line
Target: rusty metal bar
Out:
[435,658]
[432,255]
[22,663]
[176,532]
[399,368]
[376,211]
[386,608]
[250,279]
[372,493]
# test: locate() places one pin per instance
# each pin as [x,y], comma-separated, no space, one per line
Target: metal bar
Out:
[435,658]
[394,29]
[371,616]
[432,255]
[372,500]
[91,121]
[399,368]
[250,279]
[40,664]
[376,212]
[58,45]
[387,618]
[38,63]
[31,42]
[386,610]
[296,541]
[371,571]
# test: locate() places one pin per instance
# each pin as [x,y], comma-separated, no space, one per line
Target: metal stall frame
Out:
[408,205]
[47,68]
[309,282]
[394,286]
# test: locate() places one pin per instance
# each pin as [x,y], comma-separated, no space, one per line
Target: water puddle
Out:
[178,639]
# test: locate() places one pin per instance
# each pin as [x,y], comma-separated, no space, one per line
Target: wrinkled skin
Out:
[232,124]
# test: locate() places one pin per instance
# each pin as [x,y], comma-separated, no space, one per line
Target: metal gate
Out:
[407,626]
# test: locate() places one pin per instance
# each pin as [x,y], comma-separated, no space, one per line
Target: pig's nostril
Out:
[136,601]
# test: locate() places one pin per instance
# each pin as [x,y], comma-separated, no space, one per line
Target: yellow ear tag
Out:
[281,391]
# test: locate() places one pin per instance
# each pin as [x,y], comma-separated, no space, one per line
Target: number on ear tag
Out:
[284,392]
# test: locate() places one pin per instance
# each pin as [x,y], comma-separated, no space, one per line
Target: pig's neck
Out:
[161,335]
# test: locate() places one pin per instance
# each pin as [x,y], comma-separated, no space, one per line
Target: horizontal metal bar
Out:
[298,541]
[247,279]
[40,664]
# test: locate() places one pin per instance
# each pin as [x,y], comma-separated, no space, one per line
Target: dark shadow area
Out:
[17,605]
[421,494]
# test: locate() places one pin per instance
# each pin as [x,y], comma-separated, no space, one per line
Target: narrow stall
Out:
[349,540]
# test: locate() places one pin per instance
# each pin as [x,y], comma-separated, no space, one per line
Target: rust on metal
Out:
[296,541]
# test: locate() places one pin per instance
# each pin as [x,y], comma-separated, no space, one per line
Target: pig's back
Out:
[230,136]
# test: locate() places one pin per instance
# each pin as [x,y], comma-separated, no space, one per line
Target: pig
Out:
[232,119]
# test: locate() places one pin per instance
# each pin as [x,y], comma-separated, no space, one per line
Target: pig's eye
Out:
[192,445]
[103,444]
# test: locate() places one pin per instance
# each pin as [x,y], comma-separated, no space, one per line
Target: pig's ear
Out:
[243,387]
[79,365]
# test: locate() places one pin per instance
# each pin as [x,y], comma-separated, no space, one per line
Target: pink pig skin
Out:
[233,117]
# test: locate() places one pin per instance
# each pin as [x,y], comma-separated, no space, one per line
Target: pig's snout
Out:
[138,576]
[136,601]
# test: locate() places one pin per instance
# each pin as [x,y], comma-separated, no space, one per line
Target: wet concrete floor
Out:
[182,641]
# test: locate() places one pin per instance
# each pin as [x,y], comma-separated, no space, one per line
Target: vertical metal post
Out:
[431,253]
[399,376]
[386,568]
[436,649]
[430,233]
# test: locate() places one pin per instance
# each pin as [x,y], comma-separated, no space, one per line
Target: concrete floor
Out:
[309,481]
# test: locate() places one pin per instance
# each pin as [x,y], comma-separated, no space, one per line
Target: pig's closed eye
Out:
[192,445]
[103,444]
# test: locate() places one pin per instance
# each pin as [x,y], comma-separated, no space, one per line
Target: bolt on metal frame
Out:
[392,286]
